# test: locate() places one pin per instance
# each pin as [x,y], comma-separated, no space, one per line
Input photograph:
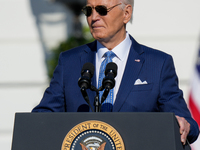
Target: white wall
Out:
[26,36]
[28,29]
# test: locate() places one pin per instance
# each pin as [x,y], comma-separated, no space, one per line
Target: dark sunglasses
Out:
[101,9]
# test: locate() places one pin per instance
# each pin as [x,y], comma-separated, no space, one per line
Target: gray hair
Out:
[131,2]
[125,2]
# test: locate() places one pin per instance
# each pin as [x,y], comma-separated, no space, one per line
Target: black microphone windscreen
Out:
[88,66]
[111,66]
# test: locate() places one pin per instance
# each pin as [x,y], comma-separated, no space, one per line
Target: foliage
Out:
[71,42]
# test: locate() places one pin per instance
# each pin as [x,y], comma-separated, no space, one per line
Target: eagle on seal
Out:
[101,147]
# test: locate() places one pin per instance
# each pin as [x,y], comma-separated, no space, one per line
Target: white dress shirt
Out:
[121,51]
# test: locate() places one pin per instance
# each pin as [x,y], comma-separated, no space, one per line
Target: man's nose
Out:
[94,14]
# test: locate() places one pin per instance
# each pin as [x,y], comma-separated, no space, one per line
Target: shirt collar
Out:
[120,50]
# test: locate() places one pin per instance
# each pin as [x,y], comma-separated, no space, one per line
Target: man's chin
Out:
[98,38]
[98,35]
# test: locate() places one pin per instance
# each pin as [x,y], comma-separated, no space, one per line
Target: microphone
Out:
[86,75]
[84,81]
[109,81]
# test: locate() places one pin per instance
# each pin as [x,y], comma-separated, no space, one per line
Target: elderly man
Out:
[146,79]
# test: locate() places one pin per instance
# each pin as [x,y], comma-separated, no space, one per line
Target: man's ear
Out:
[127,13]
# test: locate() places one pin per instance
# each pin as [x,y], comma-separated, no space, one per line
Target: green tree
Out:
[71,42]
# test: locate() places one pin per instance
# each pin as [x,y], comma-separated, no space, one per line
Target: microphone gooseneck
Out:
[109,80]
[108,83]
[84,81]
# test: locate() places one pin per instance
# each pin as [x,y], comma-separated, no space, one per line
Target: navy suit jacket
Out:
[161,94]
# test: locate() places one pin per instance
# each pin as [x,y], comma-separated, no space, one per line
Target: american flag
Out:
[194,98]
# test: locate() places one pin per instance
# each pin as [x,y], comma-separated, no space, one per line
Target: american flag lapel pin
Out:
[137,60]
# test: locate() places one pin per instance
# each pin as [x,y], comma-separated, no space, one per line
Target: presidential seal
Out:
[93,135]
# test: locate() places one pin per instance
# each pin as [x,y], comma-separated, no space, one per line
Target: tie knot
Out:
[109,54]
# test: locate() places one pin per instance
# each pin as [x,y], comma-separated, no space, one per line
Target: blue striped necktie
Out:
[108,103]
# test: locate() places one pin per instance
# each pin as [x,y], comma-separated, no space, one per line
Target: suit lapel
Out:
[133,66]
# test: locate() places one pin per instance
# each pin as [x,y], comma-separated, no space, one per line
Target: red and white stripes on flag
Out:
[194,99]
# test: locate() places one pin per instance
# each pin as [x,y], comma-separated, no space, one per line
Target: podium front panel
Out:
[139,131]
